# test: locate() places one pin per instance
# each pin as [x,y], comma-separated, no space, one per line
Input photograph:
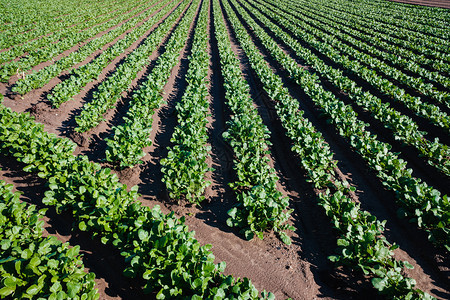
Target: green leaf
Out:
[408,265]
[82,226]
[33,290]
[73,289]
[379,283]
[143,235]
[285,239]
[6,291]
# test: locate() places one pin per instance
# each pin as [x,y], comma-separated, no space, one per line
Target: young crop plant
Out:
[261,206]
[34,267]
[185,166]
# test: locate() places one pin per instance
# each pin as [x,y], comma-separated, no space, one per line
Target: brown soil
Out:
[432,3]
[299,271]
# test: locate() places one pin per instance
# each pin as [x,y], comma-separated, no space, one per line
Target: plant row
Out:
[128,140]
[421,203]
[384,39]
[395,55]
[361,244]
[110,90]
[15,35]
[157,248]
[405,29]
[40,78]
[427,15]
[32,266]
[74,23]
[403,127]
[81,76]
[369,45]
[52,50]
[185,166]
[429,111]
[261,206]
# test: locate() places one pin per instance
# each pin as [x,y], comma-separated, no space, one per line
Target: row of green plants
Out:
[403,127]
[110,90]
[13,35]
[129,138]
[184,169]
[419,202]
[382,60]
[12,14]
[261,206]
[432,37]
[429,111]
[33,266]
[426,15]
[384,39]
[400,57]
[38,79]
[361,245]
[38,56]
[157,248]
[74,23]
[81,76]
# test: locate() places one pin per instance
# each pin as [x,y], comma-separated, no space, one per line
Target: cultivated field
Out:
[306,143]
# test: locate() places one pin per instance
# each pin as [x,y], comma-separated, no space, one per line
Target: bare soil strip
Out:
[431,3]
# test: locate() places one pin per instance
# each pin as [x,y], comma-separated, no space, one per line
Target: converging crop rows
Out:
[224,149]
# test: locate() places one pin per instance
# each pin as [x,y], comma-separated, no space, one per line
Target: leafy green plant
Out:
[32,266]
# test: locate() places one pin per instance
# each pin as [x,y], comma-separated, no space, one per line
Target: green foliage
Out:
[403,127]
[185,166]
[131,137]
[418,201]
[77,35]
[261,206]
[157,248]
[43,76]
[111,89]
[84,74]
[32,266]
[361,244]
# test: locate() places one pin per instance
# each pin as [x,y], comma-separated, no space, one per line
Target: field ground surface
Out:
[386,66]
